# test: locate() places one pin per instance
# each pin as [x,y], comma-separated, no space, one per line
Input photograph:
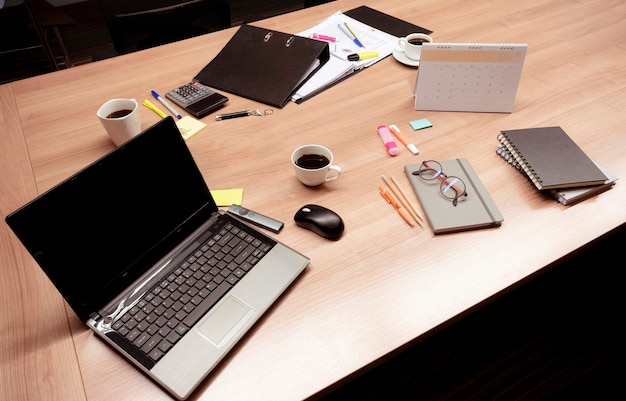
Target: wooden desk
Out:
[383,285]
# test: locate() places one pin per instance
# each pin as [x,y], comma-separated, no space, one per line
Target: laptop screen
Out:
[99,230]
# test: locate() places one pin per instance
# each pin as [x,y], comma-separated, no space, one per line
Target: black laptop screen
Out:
[95,233]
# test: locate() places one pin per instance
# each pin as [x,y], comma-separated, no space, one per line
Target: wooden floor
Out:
[557,337]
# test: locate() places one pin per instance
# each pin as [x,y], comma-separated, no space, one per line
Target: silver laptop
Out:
[138,248]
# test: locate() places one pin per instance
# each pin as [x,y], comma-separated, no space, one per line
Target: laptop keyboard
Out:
[167,312]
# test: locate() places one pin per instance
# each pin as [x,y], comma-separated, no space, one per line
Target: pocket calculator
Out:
[196,98]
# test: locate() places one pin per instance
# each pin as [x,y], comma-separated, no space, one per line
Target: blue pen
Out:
[349,33]
[166,104]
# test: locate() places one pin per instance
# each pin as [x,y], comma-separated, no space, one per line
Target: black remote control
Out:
[258,219]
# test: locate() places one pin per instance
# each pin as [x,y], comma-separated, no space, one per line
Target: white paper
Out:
[338,65]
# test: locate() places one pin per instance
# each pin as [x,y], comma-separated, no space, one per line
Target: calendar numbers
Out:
[463,77]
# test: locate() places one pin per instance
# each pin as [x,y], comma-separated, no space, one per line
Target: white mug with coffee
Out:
[313,165]
[120,118]
[411,45]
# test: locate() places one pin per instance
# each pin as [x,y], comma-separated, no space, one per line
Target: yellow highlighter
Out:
[362,55]
[152,107]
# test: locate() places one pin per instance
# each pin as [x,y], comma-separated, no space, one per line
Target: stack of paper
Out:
[338,66]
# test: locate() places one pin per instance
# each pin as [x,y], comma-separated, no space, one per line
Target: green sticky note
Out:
[420,124]
[227,197]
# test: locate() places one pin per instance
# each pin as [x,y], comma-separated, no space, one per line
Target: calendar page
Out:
[479,77]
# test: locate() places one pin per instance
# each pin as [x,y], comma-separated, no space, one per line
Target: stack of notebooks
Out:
[554,163]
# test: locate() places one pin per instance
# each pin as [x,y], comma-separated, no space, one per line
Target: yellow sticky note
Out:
[227,197]
[189,126]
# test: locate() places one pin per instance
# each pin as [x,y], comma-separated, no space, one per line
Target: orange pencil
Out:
[390,199]
[405,201]
[397,191]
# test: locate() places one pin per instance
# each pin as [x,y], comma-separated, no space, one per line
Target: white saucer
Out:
[401,57]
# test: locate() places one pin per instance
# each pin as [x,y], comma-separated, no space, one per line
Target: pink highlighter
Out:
[325,38]
[390,144]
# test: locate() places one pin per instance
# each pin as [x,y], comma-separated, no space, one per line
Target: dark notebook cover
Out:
[475,211]
[264,65]
[385,22]
[550,158]
[565,196]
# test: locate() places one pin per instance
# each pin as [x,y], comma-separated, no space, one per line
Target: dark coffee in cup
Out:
[312,161]
[119,113]
[417,41]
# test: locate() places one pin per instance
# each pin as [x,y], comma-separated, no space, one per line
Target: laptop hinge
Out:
[95,316]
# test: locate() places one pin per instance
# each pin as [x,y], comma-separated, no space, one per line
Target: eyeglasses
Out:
[451,187]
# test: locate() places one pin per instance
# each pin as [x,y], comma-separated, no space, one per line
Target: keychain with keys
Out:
[244,113]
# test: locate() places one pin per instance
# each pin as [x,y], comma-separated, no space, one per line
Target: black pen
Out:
[233,115]
[244,113]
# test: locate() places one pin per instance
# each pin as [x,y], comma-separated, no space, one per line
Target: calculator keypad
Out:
[189,93]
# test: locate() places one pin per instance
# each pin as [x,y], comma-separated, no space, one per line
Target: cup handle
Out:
[330,176]
[401,43]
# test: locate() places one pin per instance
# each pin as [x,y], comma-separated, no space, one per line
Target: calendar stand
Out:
[469,77]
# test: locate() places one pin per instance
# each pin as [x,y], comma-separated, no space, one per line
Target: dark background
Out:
[88,38]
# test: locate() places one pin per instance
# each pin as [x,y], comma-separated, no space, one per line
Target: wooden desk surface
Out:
[383,285]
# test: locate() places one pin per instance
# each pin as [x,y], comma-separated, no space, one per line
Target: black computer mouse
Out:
[320,220]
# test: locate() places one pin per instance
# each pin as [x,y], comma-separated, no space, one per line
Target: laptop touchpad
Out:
[225,321]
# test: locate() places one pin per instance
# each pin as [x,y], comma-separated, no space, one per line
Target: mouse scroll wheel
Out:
[306,210]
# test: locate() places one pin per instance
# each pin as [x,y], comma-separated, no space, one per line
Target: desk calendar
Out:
[469,77]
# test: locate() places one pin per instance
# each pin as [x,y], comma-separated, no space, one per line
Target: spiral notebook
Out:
[565,196]
[551,159]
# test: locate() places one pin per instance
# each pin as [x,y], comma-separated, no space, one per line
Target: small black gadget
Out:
[258,219]
[320,220]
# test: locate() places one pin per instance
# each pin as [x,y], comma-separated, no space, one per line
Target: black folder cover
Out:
[385,22]
[264,65]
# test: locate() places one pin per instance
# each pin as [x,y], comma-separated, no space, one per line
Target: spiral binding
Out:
[530,172]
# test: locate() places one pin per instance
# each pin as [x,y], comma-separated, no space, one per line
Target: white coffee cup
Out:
[120,118]
[313,165]
[411,45]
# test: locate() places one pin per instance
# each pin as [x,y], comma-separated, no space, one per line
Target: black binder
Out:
[264,65]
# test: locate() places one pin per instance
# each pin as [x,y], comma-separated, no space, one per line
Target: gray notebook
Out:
[474,211]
